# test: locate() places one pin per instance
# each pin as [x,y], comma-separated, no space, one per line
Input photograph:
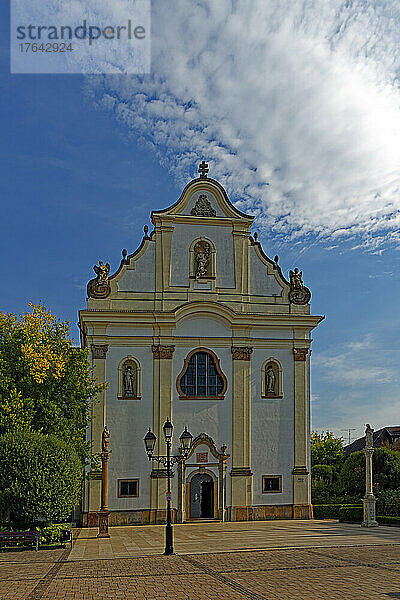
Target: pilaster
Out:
[162,408]
[99,354]
[301,476]
[241,475]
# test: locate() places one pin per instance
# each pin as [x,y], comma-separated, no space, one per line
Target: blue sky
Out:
[85,159]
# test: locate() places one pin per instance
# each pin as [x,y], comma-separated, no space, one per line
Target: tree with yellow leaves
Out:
[46,385]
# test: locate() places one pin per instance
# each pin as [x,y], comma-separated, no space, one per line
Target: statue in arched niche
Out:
[270,380]
[202,252]
[129,380]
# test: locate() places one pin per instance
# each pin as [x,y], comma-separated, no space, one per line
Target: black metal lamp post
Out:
[168,461]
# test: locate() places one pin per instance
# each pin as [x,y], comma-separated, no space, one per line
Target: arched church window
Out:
[201,376]
[271,379]
[129,379]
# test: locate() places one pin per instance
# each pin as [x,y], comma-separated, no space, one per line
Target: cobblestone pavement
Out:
[358,572]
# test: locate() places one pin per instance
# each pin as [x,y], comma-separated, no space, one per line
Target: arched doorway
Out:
[201,505]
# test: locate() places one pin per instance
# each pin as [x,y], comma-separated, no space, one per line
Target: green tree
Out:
[45,385]
[326,449]
[385,468]
[327,457]
[40,476]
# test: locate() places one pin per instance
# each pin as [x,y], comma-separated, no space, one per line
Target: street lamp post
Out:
[168,461]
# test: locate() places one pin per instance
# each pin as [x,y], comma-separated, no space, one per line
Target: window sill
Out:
[272,397]
[129,397]
[201,397]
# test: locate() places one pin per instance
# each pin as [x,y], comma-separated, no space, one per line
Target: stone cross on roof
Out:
[203,169]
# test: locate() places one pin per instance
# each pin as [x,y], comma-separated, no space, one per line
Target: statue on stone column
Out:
[369,436]
[129,381]
[105,439]
[270,380]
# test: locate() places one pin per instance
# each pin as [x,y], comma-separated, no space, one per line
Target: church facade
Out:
[200,326]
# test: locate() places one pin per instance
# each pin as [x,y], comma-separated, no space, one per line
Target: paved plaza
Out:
[267,560]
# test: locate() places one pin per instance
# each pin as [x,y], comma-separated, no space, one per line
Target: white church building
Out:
[200,326]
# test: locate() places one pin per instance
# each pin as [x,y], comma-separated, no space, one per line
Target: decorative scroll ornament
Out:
[99,351]
[100,287]
[202,253]
[241,352]
[203,208]
[163,351]
[300,354]
[298,294]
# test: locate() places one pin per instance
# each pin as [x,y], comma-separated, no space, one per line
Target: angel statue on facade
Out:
[202,256]
[298,294]
[102,272]
[129,381]
[99,287]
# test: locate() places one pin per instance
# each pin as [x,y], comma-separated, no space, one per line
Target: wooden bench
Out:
[13,537]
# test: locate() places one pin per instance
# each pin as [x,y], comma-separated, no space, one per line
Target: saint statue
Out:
[202,257]
[105,439]
[129,381]
[270,380]
[369,436]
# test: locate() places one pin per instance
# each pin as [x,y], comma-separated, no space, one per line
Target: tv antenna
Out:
[349,430]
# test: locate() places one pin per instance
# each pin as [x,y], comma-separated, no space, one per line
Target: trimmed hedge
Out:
[385,520]
[330,511]
[350,513]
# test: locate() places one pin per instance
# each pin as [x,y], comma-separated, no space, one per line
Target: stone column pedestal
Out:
[103,523]
[369,512]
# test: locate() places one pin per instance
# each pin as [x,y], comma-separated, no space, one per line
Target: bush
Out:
[40,476]
[329,511]
[50,535]
[384,520]
[351,513]
[388,503]
[386,471]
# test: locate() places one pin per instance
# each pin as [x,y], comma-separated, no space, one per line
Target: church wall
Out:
[211,198]
[142,276]
[128,421]
[272,429]
[213,417]
[221,237]
[261,283]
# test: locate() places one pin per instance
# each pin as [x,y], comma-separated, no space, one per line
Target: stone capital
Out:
[99,350]
[163,351]
[300,354]
[241,352]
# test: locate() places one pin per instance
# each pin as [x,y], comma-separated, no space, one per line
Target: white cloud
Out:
[359,364]
[295,105]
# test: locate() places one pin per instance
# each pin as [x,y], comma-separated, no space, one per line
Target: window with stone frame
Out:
[128,488]
[271,484]
[201,376]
